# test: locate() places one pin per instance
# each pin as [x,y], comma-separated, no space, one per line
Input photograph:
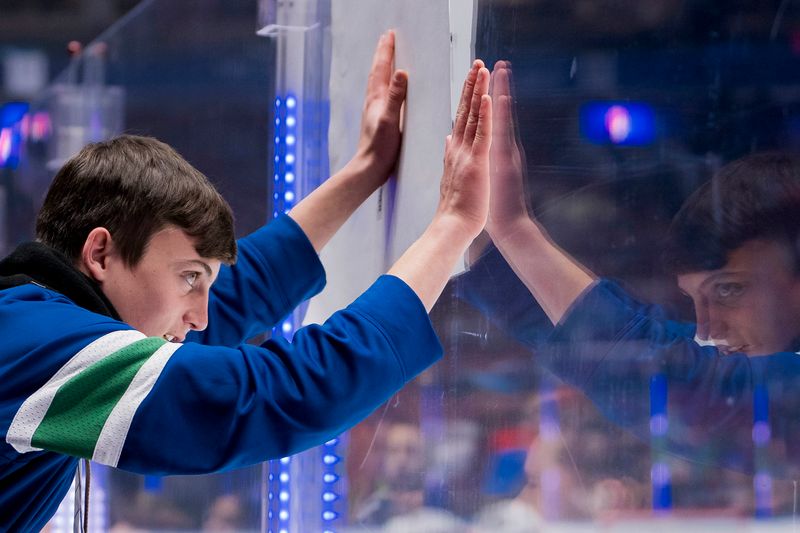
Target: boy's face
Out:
[166,293]
[752,304]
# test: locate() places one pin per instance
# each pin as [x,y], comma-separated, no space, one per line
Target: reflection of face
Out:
[166,293]
[404,459]
[752,304]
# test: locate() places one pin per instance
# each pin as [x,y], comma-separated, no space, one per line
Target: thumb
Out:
[397,91]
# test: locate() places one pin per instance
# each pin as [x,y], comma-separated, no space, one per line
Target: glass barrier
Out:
[621,353]
[644,191]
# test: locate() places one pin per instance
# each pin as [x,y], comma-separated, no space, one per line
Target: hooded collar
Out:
[45,266]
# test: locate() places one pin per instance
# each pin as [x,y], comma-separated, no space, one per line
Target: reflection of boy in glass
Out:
[733,246]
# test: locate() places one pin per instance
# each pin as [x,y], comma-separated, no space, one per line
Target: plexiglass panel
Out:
[622,352]
[663,397]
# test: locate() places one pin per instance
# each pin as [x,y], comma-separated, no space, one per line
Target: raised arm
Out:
[323,212]
[553,277]
[463,201]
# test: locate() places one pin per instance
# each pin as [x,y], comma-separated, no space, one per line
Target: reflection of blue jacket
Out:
[79,384]
[612,348]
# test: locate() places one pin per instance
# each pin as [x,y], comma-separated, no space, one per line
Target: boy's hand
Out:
[464,190]
[381,133]
[326,209]
[463,198]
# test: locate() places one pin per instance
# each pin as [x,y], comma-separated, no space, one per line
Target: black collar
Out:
[36,262]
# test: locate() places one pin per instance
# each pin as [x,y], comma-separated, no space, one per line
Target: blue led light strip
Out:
[284,195]
[330,458]
[660,472]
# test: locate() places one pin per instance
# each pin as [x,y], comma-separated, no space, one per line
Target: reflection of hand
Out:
[379,141]
[464,189]
[507,165]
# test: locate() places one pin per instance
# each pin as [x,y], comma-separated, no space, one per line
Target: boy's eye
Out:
[191,278]
[729,290]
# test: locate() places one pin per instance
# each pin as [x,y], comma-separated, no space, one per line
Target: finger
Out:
[498,66]
[481,88]
[464,101]
[381,69]
[500,85]
[483,131]
[501,126]
[397,92]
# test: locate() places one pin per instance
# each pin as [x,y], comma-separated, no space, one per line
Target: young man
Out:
[124,326]
[723,391]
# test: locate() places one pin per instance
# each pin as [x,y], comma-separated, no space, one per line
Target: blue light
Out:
[329,497]
[619,123]
[283,195]
[332,442]
[330,459]
[659,424]
[11,130]
[12,113]
[329,516]
[330,478]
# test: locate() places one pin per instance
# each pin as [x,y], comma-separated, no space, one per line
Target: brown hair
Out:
[134,186]
[755,197]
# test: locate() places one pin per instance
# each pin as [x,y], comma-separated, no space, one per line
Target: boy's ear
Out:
[97,249]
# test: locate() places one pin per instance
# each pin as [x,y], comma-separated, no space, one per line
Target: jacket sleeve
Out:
[149,406]
[492,287]
[277,268]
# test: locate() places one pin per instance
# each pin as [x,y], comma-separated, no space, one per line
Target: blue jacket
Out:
[80,384]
